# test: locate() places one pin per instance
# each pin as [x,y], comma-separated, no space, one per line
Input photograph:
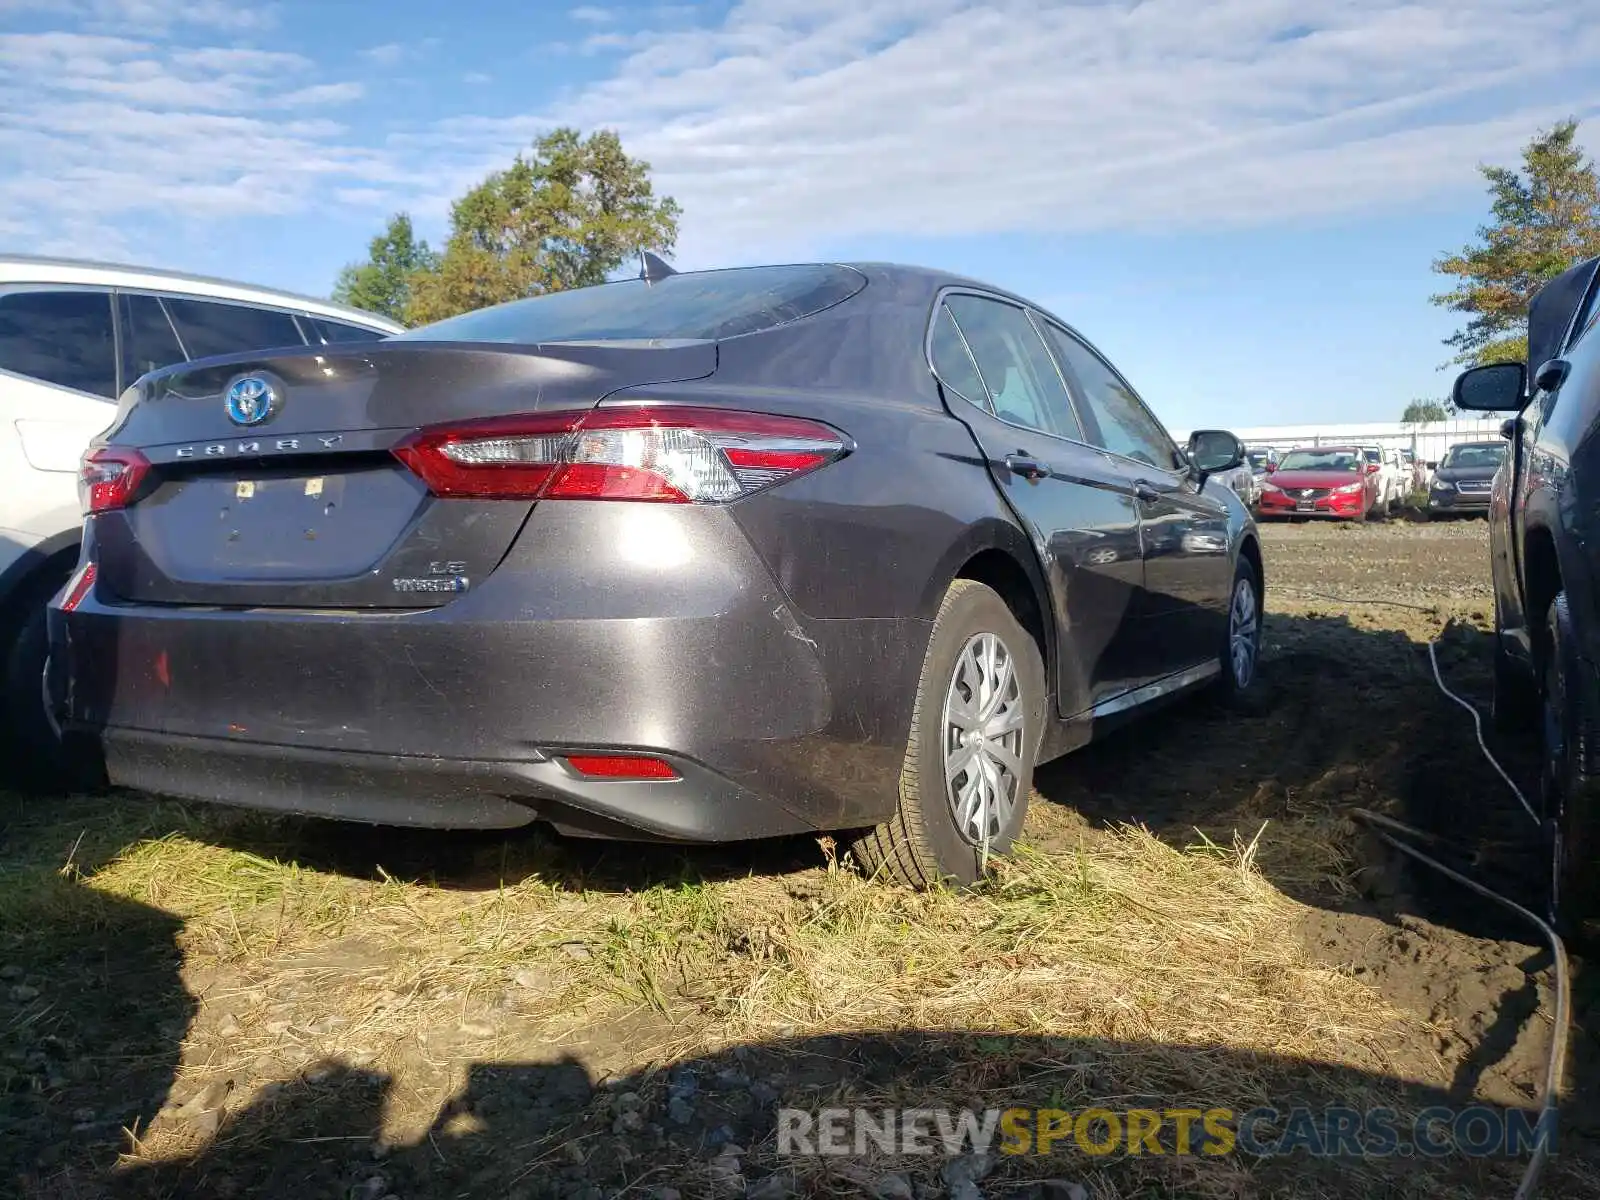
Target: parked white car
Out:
[72,336]
[1394,478]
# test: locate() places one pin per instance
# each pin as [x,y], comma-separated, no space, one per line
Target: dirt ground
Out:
[195,1003]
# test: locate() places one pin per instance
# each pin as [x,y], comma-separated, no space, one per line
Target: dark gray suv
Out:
[697,556]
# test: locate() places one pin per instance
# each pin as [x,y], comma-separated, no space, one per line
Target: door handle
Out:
[1146,492]
[1019,463]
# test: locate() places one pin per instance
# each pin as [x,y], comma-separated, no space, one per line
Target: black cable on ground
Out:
[1386,828]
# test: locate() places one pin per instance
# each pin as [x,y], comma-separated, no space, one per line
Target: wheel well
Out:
[22,589]
[1542,581]
[1250,551]
[998,570]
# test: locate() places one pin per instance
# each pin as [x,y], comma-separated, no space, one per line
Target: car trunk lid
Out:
[294,498]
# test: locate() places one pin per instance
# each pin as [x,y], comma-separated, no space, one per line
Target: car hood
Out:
[1316,479]
[1452,474]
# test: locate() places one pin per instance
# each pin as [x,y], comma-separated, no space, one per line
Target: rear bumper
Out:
[596,633]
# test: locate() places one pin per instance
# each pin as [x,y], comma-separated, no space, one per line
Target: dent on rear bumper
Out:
[607,626]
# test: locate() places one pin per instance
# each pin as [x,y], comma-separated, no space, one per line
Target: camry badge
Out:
[250,400]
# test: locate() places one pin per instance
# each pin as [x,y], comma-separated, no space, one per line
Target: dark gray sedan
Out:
[698,556]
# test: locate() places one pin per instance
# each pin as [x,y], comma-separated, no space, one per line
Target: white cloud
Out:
[788,125]
[387,54]
[477,78]
[803,122]
[589,14]
[98,131]
[151,16]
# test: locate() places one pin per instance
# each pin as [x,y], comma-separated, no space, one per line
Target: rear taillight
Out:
[109,477]
[662,453]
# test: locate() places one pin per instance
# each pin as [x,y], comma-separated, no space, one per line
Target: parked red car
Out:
[1321,481]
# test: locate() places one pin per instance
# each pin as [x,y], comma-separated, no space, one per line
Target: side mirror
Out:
[1214,450]
[1508,428]
[1497,387]
[1431,465]
[1271,467]
[1374,468]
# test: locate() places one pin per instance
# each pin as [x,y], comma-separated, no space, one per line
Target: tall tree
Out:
[1545,218]
[564,217]
[382,284]
[1420,412]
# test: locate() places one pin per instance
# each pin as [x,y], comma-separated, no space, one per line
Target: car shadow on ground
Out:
[708,1127]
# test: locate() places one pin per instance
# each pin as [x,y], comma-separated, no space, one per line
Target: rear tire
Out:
[31,755]
[1569,781]
[925,842]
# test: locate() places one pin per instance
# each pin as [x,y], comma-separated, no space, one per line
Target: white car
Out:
[1394,480]
[72,336]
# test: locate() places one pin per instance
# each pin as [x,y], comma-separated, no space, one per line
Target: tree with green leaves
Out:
[1420,412]
[566,216]
[382,284]
[1545,218]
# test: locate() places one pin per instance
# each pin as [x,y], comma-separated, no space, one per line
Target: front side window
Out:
[1114,418]
[1023,385]
[62,337]
[148,342]
[209,327]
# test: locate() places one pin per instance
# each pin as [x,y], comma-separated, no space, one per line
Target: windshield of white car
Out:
[1474,456]
[1321,460]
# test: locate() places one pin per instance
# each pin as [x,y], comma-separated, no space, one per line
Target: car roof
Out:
[1314,449]
[1477,445]
[27,268]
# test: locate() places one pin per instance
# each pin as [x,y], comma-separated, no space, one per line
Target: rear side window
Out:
[63,338]
[1023,385]
[210,328]
[951,361]
[148,342]
[338,331]
[696,305]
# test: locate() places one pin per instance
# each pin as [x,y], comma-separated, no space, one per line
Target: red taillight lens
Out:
[79,587]
[661,453]
[621,766]
[109,478]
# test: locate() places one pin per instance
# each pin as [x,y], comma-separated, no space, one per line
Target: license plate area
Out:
[1305,506]
[276,524]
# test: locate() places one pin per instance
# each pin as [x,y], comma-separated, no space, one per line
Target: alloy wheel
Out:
[1243,626]
[984,728]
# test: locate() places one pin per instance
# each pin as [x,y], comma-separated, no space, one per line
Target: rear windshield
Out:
[694,305]
[1474,456]
[1321,460]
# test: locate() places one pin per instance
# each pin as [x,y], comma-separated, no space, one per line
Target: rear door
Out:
[1188,571]
[1076,503]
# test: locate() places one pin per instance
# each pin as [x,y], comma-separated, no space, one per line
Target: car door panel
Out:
[1184,535]
[1076,504]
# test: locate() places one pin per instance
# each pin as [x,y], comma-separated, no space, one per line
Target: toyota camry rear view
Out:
[698,556]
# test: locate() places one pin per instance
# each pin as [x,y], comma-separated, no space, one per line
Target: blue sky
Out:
[1237,200]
